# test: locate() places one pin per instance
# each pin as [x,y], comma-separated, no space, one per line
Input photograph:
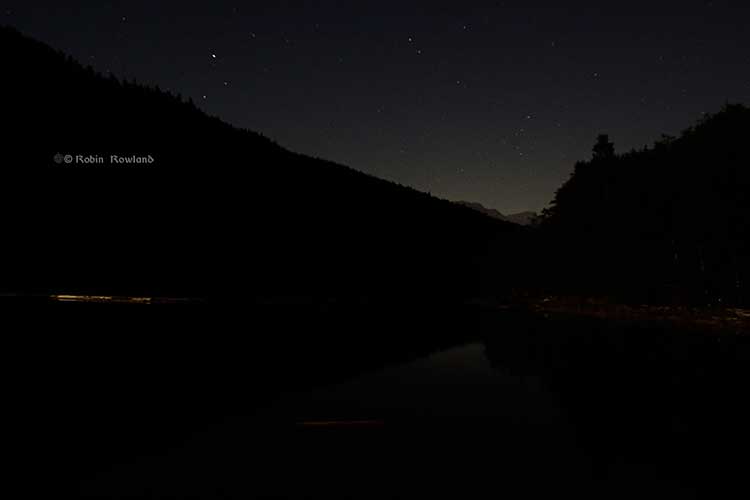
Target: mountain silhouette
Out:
[521,218]
[670,222]
[193,206]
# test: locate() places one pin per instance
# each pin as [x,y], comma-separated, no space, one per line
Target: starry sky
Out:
[489,101]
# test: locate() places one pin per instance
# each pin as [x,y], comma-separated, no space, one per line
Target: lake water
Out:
[457,383]
[448,423]
[347,401]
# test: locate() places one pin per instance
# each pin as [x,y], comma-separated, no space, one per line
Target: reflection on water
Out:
[448,423]
[540,408]
[457,383]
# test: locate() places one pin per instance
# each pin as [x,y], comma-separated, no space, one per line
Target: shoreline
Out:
[717,320]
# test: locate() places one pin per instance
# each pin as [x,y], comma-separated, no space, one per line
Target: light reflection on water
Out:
[456,383]
[420,426]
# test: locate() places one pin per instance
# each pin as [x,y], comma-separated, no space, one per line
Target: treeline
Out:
[668,223]
[225,211]
[222,211]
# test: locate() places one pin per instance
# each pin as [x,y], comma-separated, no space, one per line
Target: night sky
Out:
[482,101]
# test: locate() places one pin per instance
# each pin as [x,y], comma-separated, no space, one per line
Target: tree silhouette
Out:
[670,222]
[603,149]
[222,211]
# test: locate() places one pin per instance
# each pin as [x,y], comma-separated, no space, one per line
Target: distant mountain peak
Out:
[521,218]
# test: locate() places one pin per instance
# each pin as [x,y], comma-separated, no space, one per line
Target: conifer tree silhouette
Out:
[603,149]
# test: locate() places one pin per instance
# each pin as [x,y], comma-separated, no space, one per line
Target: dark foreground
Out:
[243,401]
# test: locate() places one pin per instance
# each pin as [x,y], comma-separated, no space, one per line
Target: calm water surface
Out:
[449,422]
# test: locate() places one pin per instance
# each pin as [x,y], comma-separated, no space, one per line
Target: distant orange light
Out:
[101,298]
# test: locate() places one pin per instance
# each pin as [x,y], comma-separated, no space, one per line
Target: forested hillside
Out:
[219,211]
[670,222]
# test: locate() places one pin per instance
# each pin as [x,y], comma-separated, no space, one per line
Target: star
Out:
[361,53]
